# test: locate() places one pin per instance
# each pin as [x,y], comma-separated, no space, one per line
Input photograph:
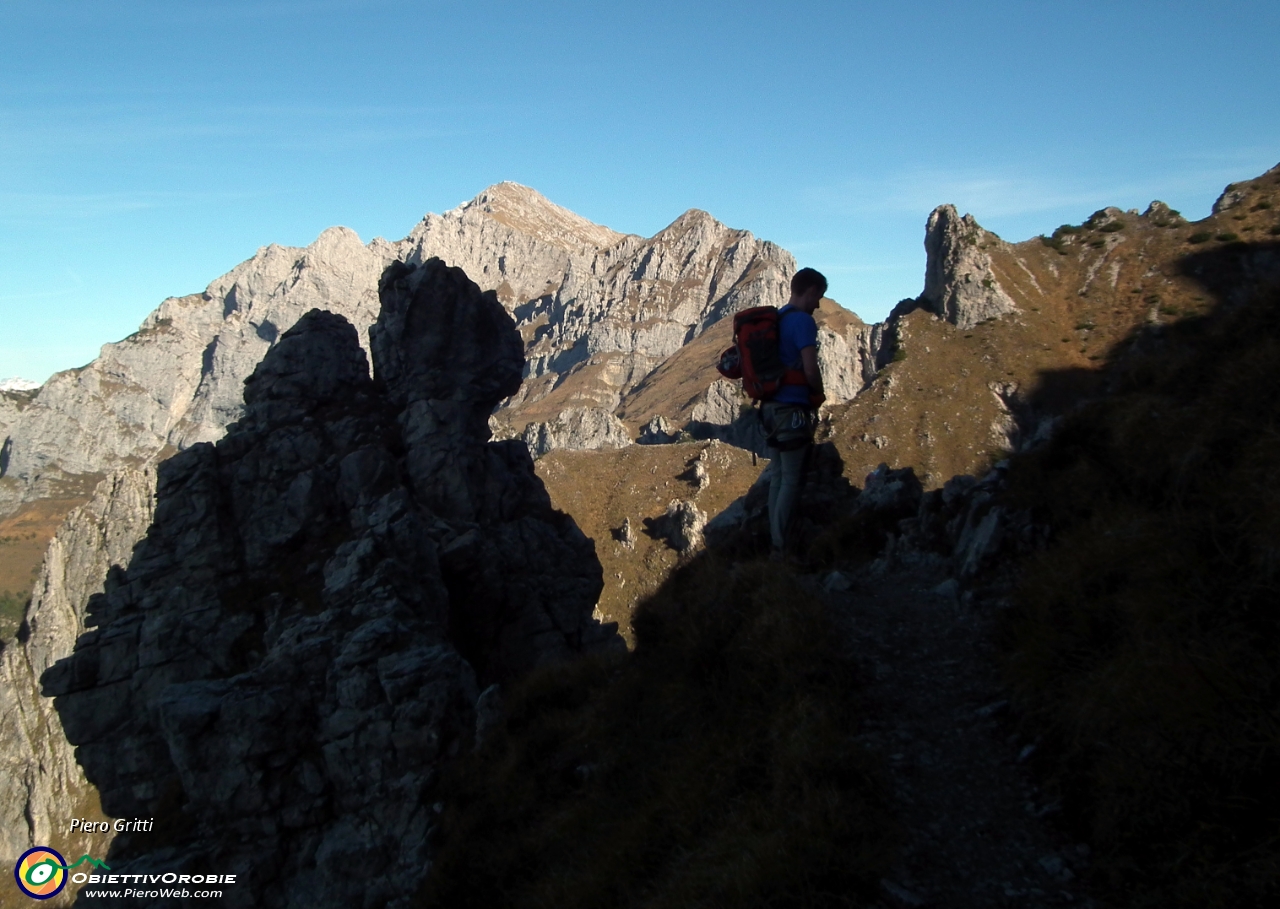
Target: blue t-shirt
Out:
[796,331]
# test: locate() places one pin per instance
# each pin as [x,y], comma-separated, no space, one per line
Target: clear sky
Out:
[148,146]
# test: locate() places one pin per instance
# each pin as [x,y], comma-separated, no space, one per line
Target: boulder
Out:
[658,431]
[680,526]
[894,492]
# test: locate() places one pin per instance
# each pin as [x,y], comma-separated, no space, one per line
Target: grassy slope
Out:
[713,766]
[601,489]
[1078,296]
[1145,643]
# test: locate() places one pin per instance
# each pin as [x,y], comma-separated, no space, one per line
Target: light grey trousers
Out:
[791,427]
[784,489]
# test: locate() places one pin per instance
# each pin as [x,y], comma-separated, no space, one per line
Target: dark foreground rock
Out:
[302,637]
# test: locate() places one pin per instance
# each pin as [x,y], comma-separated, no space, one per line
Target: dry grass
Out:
[1145,643]
[24,537]
[602,488]
[714,766]
[935,410]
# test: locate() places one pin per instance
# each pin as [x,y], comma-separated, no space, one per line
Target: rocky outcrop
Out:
[302,637]
[658,431]
[966,529]
[680,526]
[1230,198]
[1161,215]
[13,401]
[597,311]
[576,429]
[178,380]
[41,785]
[959,284]
[720,404]
[895,492]
[849,360]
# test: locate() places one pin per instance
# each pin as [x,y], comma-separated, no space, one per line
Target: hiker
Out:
[790,414]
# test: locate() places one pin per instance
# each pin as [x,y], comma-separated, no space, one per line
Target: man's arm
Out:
[809,363]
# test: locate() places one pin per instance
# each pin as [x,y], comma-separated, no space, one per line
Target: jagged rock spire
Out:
[302,636]
[959,285]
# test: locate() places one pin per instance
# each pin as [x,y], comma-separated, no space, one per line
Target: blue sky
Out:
[147,147]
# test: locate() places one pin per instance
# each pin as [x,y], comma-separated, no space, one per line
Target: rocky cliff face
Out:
[178,380]
[597,311]
[302,636]
[41,785]
[576,429]
[959,284]
[13,401]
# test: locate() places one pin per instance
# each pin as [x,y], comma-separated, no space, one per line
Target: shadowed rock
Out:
[300,639]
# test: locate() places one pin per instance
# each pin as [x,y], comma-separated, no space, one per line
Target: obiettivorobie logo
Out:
[41,872]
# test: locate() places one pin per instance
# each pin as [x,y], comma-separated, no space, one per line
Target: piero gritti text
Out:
[119,825]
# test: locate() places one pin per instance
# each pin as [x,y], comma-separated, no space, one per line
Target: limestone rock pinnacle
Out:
[302,636]
[959,285]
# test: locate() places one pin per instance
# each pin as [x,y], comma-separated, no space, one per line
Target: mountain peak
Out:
[695,216]
[525,209]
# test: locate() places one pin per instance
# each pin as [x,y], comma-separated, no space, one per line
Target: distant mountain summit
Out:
[528,211]
[598,312]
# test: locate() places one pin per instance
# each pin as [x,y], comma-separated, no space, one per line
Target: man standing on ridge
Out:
[791,414]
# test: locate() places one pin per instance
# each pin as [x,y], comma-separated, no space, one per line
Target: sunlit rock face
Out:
[597,311]
[41,786]
[959,284]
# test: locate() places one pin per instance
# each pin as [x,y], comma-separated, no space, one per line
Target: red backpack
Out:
[754,356]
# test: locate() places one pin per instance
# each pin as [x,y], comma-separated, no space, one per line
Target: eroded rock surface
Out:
[576,429]
[41,785]
[597,311]
[302,636]
[959,284]
[13,401]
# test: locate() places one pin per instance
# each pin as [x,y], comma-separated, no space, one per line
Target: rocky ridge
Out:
[951,399]
[1088,284]
[304,633]
[604,317]
[597,311]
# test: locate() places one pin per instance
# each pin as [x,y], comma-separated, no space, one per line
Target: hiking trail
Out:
[975,824]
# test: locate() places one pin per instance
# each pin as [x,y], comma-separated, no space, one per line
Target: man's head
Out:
[807,287]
